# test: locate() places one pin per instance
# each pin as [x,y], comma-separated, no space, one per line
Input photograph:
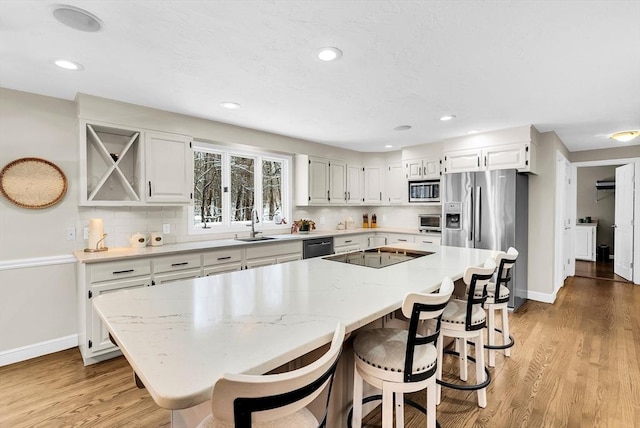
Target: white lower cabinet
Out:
[221,261]
[427,239]
[586,242]
[176,267]
[271,254]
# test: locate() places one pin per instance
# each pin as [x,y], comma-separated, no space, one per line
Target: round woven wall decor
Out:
[33,183]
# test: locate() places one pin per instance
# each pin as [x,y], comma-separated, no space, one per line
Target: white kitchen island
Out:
[181,337]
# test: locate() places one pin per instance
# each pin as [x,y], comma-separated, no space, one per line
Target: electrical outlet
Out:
[166,228]
[85,233]
[71,233]
[321,220]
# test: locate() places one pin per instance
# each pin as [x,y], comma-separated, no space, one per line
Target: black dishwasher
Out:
[317,247]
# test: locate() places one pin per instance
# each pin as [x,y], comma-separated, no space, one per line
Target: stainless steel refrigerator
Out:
[489,210]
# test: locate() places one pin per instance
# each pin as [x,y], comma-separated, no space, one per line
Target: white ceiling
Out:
[572,67]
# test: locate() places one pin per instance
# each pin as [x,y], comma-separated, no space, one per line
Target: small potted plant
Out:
[304,225]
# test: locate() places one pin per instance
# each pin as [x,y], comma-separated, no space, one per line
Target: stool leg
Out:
[387,407]
[357,398]
[505,330]
[463,358]
[480,374]
[491,326]
[399,396]
[438,388]
[431,406]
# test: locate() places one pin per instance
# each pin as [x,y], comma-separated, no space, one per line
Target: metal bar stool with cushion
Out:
[401,360]
[465,320]
[275,401]
[497,300]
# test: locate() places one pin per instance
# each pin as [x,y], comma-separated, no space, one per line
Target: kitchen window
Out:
[229,184]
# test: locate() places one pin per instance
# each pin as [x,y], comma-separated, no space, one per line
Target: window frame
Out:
[236,227]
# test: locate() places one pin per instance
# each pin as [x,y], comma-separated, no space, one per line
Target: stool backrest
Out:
[419,307]
[246,399]
[477,278]
[505,262]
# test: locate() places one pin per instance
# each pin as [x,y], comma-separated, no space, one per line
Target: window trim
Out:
[227,226]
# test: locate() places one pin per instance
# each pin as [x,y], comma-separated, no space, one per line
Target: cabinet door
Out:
[288,258]
[355,184]
[169,168]
[396,185]
[413,169]
[337,182]
[583,243]
[502,157]
[462,161]
[265,261]
[165,278]
[223,268]
[372,185]
[99,335]
[318,181]
[431,168]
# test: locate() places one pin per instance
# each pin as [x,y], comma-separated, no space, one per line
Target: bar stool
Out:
[274,401]
[465,320]
[497,300]
[400,360]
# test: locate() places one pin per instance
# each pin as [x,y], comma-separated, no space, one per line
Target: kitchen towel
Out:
[96,232]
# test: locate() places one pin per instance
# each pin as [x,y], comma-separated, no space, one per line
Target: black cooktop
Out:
[378,257]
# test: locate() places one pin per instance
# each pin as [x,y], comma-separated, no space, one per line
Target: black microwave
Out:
[424,191]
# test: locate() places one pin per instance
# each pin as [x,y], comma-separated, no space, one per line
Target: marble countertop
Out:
[127,252]
[181,337]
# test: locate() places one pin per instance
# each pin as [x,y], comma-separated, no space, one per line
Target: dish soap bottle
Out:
[365,220]
[374,220]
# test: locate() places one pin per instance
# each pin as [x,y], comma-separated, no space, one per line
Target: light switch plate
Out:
[71,233]
[166,228]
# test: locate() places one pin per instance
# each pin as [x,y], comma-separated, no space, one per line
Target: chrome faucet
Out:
[254,220]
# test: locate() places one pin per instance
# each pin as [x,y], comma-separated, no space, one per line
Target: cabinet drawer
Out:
[427,239]
[220,257]
[118,270]
[175,262]
[341,241]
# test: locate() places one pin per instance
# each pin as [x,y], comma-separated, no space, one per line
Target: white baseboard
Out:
[37,350]
[541,297]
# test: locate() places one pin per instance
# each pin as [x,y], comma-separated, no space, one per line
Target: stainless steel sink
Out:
[256,238]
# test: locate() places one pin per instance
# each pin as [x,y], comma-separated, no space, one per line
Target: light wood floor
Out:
[576,363]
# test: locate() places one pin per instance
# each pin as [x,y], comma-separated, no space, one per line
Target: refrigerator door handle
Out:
[478,214]
[472,216]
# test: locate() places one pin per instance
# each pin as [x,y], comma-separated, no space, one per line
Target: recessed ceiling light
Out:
[625,136]
[448,117]
[68,65]
[329,53]
[230,105]
[402,128]
[77,18]
[388,146]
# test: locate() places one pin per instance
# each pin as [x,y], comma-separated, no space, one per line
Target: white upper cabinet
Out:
[337,182]
[516,156]
[373,185]
[318,173]
[418,169]
[169,168]
[355,184]
[395,184]
[118,164]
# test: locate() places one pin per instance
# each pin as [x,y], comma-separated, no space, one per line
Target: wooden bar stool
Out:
[497,300]
[275,401]
[465,320]
[400,360]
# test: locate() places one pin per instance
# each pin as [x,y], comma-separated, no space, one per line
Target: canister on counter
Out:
[374,220]
[365,220]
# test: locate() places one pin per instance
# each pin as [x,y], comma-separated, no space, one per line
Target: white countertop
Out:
[181,337]
[113,254]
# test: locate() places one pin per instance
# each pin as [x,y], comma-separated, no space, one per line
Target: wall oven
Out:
[424,191]
[430,223]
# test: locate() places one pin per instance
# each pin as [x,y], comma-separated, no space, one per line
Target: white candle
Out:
[96,231]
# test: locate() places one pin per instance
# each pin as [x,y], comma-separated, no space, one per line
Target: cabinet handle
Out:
[224,258]
[180,264]
[328,196]
[485,161]
[380,195]
[122,271]
[402,240]
[345,196]
[478,159]
[348,242]
[149,188]
[424,171]
[427,242]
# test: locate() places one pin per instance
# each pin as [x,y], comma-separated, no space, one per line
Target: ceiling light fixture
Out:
[402,128]
[448,117]
[329,53]
[68,65]
[624,136]
[230,105]
[77,18]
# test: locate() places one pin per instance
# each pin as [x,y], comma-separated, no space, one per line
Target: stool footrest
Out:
[505,346]
[379,397]
[465,387]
